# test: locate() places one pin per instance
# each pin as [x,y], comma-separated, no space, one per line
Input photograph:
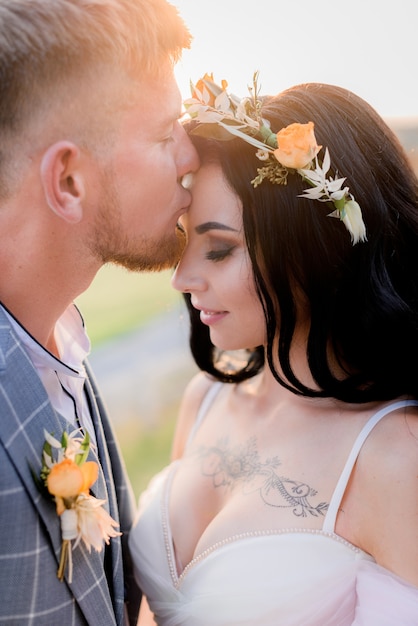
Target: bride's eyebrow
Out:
[206,226]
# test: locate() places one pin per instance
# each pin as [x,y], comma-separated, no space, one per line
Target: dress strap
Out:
[337,496]
[203,409]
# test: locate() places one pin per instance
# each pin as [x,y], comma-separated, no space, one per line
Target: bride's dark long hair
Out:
[361,300]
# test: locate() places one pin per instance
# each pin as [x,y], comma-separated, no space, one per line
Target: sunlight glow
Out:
[368,47]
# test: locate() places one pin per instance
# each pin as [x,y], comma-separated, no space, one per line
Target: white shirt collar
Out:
[62,378]
[71,338]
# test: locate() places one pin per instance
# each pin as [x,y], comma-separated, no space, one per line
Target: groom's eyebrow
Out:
[206,226]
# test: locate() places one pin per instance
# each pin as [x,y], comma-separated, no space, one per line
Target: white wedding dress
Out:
[288,577]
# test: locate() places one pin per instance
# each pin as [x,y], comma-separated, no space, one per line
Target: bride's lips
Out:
[210,317]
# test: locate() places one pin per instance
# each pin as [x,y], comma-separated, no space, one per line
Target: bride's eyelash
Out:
[219,255]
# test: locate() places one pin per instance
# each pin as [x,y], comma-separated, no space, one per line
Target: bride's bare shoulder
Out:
[388,485]
[193,396]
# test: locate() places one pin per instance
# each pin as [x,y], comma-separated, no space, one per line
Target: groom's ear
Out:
[63,181]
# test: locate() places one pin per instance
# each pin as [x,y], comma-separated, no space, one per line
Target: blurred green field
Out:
[116,303]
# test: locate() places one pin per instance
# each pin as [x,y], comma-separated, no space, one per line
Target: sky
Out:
[367,46]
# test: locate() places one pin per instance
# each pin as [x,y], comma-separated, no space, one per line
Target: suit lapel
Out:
[113,557]
[125,502]
[25,412]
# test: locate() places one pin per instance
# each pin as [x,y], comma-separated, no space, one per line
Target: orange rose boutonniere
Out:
[68,476]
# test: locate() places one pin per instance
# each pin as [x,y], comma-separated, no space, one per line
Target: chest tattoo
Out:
[241,466]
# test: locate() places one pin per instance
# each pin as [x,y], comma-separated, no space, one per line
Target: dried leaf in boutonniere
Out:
[68,476]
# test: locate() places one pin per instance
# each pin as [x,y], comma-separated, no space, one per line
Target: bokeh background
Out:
[137,323]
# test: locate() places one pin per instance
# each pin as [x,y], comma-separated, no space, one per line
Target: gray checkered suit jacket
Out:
[30,541]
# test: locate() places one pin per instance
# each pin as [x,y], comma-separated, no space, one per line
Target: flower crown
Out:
[292,150]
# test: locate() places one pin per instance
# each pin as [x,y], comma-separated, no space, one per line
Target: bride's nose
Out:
[186,277]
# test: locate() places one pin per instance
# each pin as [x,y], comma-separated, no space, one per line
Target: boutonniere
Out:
[68,476]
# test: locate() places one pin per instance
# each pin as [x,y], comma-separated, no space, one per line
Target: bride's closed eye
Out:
[220,254]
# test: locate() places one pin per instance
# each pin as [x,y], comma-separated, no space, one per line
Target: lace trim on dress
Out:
[258,533]
[168,539]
